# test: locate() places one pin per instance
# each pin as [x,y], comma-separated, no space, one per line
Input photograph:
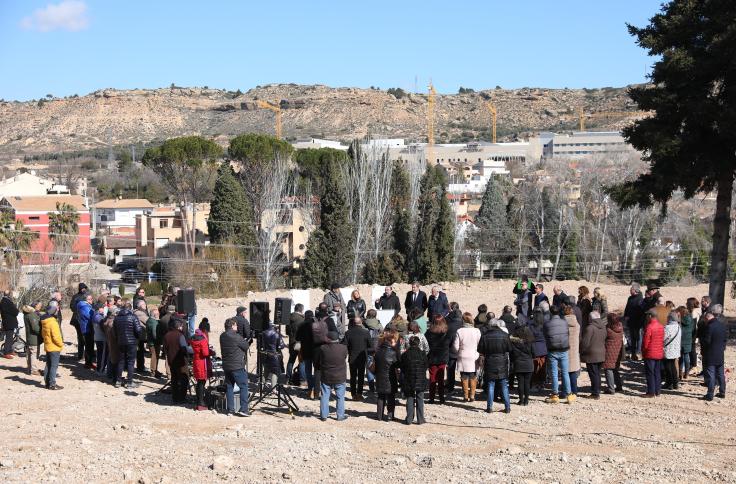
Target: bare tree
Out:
[357,176]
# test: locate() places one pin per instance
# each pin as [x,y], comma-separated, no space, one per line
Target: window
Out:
[177,223]
[301,228]
[301,246]
[34,218]
[163,223]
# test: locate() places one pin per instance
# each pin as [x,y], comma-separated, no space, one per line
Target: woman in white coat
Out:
[466,347]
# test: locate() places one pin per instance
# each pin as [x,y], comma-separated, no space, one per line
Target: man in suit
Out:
[415,299]
[437,304]
[539,295]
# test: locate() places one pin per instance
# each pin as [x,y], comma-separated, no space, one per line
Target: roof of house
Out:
[45,203]
[123,203]
[119,242]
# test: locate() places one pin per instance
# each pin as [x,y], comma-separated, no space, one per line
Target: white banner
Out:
[385,316]
[300,296]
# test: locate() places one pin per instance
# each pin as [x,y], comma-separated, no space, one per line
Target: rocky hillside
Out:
[142,116]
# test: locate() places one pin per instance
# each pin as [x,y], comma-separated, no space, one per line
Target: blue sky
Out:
[66,47]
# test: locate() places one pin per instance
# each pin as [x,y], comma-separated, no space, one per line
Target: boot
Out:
[379,410]
[371,386]
[473,385]
[465,390]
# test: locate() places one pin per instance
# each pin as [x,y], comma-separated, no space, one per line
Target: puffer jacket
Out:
[356,308]
[672,335]
[556,335]
[414,371]
[540,345]
[652,344]
[495,347]
[687,328]
[439,347]
[85,312]
[573,332]
[386,362]
[200,354]
[8,313]
[127,328]
[614,343]
[522,355]
[593,341]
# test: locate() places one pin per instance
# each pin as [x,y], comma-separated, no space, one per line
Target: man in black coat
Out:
[415,298]
[437,305]
[243,324]
[713,346]
[9,313]
[81,295]
[389,300]
[128,331]
[358,341]
[330,362]
[454,322]
[539,295]
[414,376]
[495,347]
[559,297]
[634,318]
[295,320]
[233,348]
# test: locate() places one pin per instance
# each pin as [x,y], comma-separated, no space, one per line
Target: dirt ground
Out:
[90,431]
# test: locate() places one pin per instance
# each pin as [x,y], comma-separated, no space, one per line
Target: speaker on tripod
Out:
[185,301]
[283,311]
[259,312]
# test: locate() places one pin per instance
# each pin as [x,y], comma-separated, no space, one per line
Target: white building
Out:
[585,143]
[316,143]
[118,215]
[26,185]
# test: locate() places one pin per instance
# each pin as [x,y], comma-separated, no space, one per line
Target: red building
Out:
[34,213]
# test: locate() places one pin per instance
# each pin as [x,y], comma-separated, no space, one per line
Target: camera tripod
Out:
[261,393]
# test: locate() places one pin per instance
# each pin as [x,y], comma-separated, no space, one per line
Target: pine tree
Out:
[491,221]
[231,214]
[434,244]
[327,259]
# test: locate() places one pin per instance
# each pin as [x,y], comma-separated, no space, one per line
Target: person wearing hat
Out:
[329,360]
[81,295]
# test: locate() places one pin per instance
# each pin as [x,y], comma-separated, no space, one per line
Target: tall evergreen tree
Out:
[491,221]
[435,237]
[327,259]
[231,214]
[689,140]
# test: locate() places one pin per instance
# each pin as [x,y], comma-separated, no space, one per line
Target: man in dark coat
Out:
[9,313]
[495,346]
[330,362]
[539,295]
[389,300]
[713,343]
[454,322]
[233,348]
[414,376]
[509,320]
[243,324]
[524,300]
[415,298]
[634,318]
[559,297]
[437,305]
[128,331]
[295,320]
[358,341]
[74,321]
[556,338]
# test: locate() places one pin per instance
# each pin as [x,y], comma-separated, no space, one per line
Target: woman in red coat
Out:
[652,350]
[201,348]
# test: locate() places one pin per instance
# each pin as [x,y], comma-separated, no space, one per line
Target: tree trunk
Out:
[721,230]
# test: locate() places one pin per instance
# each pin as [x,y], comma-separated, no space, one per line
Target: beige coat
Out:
[466,347]
[574,341]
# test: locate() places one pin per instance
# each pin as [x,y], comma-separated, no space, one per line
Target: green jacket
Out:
[686,341]
[33,325]
[152,336]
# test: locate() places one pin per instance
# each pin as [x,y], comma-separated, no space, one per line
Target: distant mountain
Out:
[149,115]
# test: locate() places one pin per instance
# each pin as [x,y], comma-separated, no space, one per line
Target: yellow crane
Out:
[492,108]
[276,109]
[582,115]
[430,122]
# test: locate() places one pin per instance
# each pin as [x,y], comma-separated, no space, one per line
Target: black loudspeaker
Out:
[185,301]
[259,315]
[282,313]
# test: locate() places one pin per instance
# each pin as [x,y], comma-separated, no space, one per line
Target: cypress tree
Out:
[491,221]
[435,237]
[327,258]
[231,215]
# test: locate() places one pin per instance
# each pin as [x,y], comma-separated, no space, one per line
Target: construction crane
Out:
[276,109]
[430,122]
[582,115]
[492,109]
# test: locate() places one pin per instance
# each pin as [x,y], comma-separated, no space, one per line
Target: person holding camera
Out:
[233,348]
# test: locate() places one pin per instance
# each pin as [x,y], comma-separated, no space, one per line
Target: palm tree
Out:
[15,239]
[63,231]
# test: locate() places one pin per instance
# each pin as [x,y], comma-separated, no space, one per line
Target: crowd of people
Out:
[537,346]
